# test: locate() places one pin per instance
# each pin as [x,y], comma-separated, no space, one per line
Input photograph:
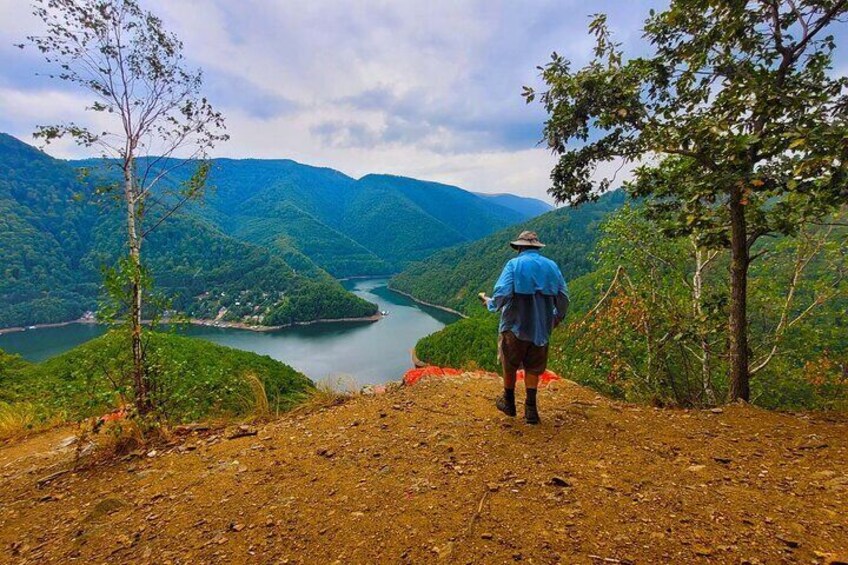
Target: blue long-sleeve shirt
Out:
[531,295]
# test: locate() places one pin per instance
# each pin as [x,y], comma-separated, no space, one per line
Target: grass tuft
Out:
[23,418]
[332,391]
[261,408]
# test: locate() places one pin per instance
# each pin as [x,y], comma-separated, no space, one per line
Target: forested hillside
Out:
[375,225]
[285,206]
[689,406]
[44,235]
[406,219]
[372,226]
[529,207]
[453,277]
[54,242]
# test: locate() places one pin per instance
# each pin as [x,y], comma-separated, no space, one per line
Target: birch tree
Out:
[156,120]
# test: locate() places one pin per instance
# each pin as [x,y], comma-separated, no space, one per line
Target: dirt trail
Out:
[432,473]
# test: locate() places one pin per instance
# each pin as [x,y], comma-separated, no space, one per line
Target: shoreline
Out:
[32,327]
[436,306]
[416,362]
[242,326]
[202,322]
[358,277]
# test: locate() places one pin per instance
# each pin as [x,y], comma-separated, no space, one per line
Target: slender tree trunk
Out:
[142,399]
[740,260]
[697,296]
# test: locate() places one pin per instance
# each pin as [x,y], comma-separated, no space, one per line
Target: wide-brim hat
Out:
[527,239]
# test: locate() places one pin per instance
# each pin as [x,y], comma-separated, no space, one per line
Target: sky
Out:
[428,89]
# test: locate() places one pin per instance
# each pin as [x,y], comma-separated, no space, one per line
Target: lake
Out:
[344,354]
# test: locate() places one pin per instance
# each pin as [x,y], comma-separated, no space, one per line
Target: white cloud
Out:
[423,89]
[24,110]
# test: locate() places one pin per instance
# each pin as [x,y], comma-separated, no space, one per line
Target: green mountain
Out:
[288,207]
[53,245]
[44,235]
[264,246]
[375,225]
[453,277]
[408,219]
[528,207]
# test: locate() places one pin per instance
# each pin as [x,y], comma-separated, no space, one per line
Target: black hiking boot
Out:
[505,405]
[531,414]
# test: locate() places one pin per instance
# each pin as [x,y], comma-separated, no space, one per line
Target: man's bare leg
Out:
[531,383]
[509,376]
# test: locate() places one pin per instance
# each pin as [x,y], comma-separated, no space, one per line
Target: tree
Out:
[157,121]
[735,121]
[657,333]
[806,276]
[653,334]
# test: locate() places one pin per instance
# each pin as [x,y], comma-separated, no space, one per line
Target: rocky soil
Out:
[432,473]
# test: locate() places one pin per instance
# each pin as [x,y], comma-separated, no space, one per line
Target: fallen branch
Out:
[45,480]
[436,411]
[605,559]
[476,515]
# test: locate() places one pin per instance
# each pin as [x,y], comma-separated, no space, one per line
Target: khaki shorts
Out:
[515,354]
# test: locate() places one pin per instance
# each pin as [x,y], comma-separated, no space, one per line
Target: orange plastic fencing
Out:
[544,378]
[414,375]
[114,415]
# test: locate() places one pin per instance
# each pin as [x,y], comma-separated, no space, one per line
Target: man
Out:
[532,297]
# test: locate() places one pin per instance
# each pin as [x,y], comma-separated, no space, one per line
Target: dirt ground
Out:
[432,473]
